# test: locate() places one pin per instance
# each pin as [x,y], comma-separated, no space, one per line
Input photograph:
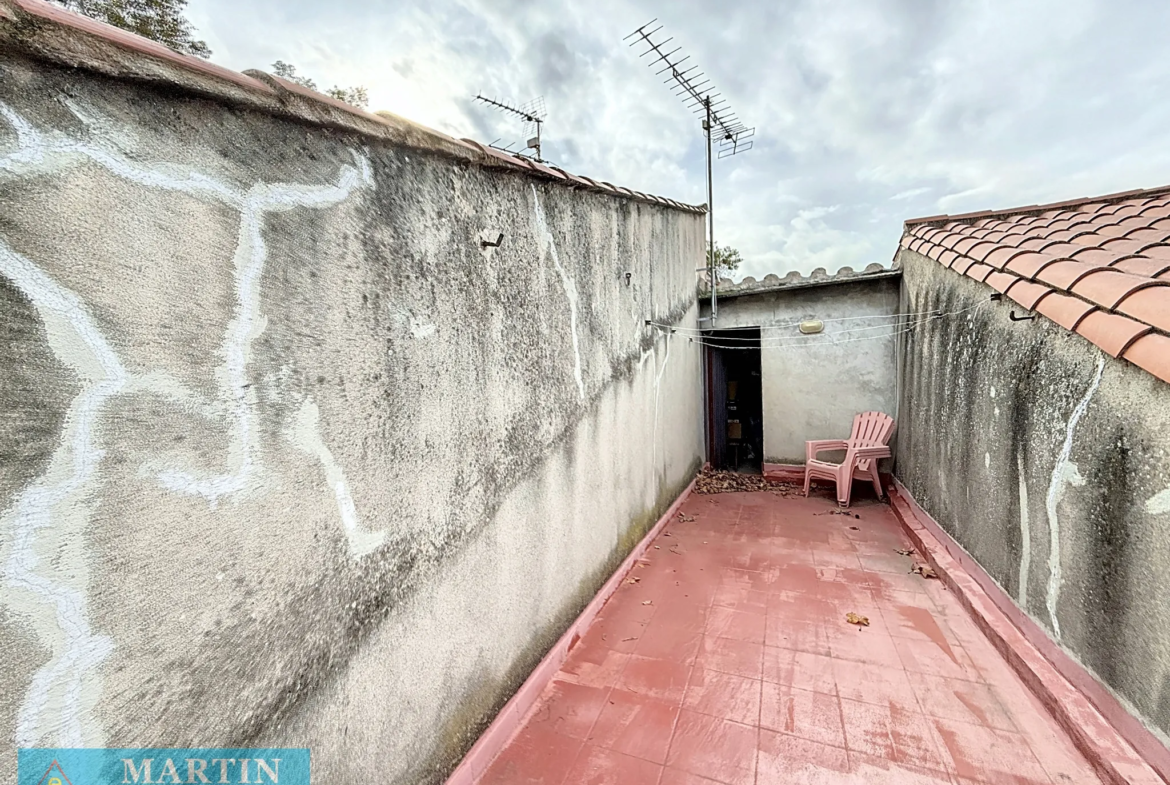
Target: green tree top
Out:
[354,96]
[158,20]
[727,259]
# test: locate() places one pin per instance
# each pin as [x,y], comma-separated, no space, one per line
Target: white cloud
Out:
[886,110]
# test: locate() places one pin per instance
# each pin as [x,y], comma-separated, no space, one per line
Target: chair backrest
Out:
[872,429]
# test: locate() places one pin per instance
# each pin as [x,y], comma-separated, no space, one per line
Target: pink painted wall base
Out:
[1119,746]
[511,717]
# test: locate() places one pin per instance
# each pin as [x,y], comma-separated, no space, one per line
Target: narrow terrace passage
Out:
[726,657]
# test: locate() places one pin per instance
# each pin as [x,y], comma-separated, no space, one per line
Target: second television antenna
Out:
[533,113]
[697,92]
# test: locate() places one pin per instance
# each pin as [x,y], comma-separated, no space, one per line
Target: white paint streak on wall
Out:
[248,324]
[1159,503]
[1025,533]
[305,433]
[657,393]
[57,710]
[545,238]
[1064,473]
[46,569]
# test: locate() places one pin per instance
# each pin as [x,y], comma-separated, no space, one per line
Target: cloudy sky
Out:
[867,111]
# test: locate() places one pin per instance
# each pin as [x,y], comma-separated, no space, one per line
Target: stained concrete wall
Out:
[814,385]
[1049,461]
[286,456]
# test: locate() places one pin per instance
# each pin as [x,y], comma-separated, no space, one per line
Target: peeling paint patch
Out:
[1025,533]
[657,392]
[305,433]
[1159,503]
[544,236]
[46,570]
[1064,473]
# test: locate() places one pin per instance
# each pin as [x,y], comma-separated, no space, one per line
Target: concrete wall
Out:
[1048,461]
[288,458]
[814,385]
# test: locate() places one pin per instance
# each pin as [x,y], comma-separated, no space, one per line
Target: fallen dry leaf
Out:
[925,570]
[633,580]
[657,548]
[904,552]
[685,518]
[647,602]
[711,481]
[855,528]
[860,621]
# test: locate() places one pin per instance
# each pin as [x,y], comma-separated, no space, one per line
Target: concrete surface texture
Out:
[1048,461]
[727,657]
[813,385]
[287,455]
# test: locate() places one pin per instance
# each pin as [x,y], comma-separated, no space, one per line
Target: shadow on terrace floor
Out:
[725,657]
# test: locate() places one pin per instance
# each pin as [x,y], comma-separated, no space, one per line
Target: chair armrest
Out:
[863,453]
[823,445]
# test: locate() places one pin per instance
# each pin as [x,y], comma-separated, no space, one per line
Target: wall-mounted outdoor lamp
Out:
[812,326]
[490,244]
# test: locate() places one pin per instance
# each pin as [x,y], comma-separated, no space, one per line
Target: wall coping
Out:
[726,288]
[48,33]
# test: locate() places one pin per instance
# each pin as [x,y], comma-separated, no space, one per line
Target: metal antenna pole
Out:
[710,213]
[719,122]
[532,112]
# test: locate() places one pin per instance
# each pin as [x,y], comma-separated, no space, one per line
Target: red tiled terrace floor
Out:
[729,660]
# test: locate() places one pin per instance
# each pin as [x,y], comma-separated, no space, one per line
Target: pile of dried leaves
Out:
[711,481]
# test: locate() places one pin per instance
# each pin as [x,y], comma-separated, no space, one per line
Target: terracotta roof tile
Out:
[1095,256]
[1001,255]
[978,271]
[1142,265]
[1149,235]
[1111,332]
[1151,353]
[1156,210]
[1150,305]
[1156,251]
[1065,274]
[1030,263]
[1027,293]
[966,244]
[1101,268]
[1000,281]
[963,263]
[979,252]
[1065,310]
[1109,287]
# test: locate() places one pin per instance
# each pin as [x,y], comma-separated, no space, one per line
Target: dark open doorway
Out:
[735,410]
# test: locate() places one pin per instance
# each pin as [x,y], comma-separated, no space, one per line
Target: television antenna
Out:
[720,124]
[532,113]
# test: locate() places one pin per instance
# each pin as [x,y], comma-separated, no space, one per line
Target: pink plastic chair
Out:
[863,448]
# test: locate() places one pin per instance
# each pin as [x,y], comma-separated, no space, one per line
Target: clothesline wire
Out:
[811,341]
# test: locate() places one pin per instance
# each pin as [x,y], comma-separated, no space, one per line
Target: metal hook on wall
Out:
[490,244]
[1014,318]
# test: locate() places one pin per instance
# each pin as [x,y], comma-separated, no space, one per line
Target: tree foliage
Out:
[354,96]
[158,20]
[727,259]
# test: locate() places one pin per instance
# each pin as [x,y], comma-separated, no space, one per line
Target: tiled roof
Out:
[1099,267]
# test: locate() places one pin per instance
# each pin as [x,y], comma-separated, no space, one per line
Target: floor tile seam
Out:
[945,771]
[935,736]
